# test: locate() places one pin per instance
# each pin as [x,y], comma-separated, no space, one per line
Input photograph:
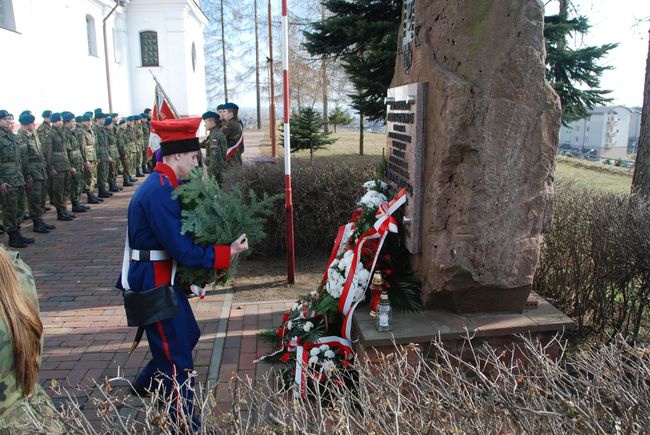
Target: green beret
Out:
[100,115]
[108,121]
[231,106]
[87,116]
[209,114]
[26,118]
[4,114]
[114,115]
[78,118]
[46,113]
[25,112]
[98,110]
[67,116]
[122,121]
[55,117]
[220,107]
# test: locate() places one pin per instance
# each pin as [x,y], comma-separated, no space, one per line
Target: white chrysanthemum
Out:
[323,347]
[363,276]
[375,184]
[307,326]
[330,354]
[313,360]
[328,365]
[334,263]
[372,199]
[312,293]
[289,324]
[346,261]
[314,351]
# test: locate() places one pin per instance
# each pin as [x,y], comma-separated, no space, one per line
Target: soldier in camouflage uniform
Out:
[77,159]
[232,128]
[215,146]
[12,182]
[137,128]
[32,153]
[88,141]
[122,147]
[103,157]
[131,145]
[145,141]
[59,166]
[114,154]
[43,131]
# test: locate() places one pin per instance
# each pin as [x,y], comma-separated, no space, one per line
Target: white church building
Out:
[78,55]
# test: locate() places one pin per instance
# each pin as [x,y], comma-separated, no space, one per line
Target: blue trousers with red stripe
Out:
[171,343]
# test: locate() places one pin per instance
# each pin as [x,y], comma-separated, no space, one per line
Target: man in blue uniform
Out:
[154,246]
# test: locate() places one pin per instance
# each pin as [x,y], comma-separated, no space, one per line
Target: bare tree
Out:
[641,178]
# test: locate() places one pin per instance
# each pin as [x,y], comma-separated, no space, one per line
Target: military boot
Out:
[132,180]
[38,227]
[138,172]
[127,183]
[46,225]
[78,208]
[15,241]
[62,215]
[112,187]
[90,198]
[23,238]
[103,193]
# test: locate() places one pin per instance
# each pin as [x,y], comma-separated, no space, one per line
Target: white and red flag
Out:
[162,109]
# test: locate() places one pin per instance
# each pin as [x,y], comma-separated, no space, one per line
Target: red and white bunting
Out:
[341,241]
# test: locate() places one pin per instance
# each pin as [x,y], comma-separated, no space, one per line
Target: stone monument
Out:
[472,133]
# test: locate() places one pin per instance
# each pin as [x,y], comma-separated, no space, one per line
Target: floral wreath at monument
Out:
[315,334]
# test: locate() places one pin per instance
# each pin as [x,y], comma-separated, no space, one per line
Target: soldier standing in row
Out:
[90,165]
[122,148]
[103,157]
[114,156]
[232,128]
[12,182]
[32,153]
[43,131]
[137,128]
[215,146]
[145,141]
[76,159]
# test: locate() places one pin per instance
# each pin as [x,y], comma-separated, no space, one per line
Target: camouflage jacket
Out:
[12,167]
[145,134]
[73,149]
[55,150]
[232,129]
[90,143]
[44,131]
[120,138]
[101,136]
[32,153]
[215,152]
[112,143]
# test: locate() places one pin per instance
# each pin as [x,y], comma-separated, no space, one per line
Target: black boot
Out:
[70,214]
[62,215]
[38,227]
[90,198]
[15,241]
[97,198]
[127,183]
[46,225]
[25,239]
[104,194]
[78,208]
[138,173]
[112,187]
[132,180]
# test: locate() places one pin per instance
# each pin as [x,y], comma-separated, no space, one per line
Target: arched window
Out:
[193,57]
[92,35]
[149,48]
[7,20]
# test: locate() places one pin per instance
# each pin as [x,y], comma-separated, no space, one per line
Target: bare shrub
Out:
[597,389]
[595,263]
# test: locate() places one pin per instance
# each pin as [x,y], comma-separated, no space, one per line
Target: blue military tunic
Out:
[154,223]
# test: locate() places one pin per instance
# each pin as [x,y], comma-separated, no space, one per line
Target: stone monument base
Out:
[540,320]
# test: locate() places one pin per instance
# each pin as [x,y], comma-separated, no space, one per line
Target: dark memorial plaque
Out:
[406,106]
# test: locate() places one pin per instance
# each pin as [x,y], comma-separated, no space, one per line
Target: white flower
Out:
[346,261]
[314,351]
[295,306]
[363,276]
[328,365]
[375,184]
[307,326]
[289,324]
[329,354]
[312,293]
[313,360]
[372,199]
[334,263]
[324,347]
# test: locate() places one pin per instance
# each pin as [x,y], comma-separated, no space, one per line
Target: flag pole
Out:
[288,199]
[171,105]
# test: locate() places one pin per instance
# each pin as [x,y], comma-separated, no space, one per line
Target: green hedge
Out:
[324,196]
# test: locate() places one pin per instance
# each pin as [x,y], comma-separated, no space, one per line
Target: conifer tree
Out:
[339,116]
[306,132]
[574,73]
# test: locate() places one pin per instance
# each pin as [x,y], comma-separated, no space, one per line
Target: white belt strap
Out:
[153,255]
[134,254]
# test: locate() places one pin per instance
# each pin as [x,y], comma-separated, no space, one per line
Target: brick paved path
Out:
[86,337]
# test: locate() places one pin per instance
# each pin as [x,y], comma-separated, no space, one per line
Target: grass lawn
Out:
[584,174]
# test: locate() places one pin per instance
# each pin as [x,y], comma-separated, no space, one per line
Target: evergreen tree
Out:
[306,132]
[362,35]
[574,73]
[339,116]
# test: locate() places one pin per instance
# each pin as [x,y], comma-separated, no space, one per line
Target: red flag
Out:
[161,110]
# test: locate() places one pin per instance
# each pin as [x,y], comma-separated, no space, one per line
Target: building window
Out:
[193,57]
[149,48]
[92,36]
[7,19]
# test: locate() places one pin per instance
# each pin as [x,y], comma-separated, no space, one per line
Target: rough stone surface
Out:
[491,134]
